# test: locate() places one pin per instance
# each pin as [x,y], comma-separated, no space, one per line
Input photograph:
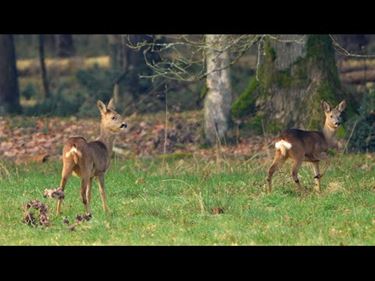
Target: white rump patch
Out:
[283,144]
[72,151]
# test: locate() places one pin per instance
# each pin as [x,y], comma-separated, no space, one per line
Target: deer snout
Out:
[124,125]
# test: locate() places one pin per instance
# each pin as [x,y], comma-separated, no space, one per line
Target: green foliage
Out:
[98,83]
[29,92]
[254,125]
[245,103]
[258,126]
[61,103]
[363,137]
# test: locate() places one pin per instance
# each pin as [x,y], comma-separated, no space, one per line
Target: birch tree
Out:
[193,58]
[218,99]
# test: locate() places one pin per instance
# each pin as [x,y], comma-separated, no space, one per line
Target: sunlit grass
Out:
[170,202]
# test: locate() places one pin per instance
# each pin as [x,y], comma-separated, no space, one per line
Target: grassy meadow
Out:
[172,202]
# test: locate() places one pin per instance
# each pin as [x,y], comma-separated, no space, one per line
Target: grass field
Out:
[156,202]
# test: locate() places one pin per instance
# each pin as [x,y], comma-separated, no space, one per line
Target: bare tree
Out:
[9,91]
[128,63]
[192,58]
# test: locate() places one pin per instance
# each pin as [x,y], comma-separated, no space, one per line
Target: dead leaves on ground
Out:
[29,216]
[32,139]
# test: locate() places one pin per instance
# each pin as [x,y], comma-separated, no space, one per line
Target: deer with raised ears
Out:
[89,160]
[310,146]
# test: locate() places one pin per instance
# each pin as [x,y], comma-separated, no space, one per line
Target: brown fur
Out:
[91,159]
[310,146]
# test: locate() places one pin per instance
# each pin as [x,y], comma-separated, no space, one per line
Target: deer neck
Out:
[107,138]
[329,133]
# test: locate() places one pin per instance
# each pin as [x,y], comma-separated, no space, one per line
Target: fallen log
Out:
[358,77]
[355,65]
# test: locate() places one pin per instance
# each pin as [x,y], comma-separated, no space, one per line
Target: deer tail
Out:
[283,146]
[75,153]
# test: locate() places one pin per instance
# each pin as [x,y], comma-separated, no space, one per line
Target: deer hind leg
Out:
[276,164]
[296,165]
[317,176]
[102,192]
[65,174]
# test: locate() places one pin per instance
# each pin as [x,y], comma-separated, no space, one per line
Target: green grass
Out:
[169,203]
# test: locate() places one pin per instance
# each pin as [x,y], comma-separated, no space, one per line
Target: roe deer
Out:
[310,146]
[91,159]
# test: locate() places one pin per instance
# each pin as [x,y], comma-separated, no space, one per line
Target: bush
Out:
[363,136]
[245,103]
[57,105]
[29,92]
[97,83]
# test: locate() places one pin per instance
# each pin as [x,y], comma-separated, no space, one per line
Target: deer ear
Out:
[101,106]
[111,104]
[326,107]
[341,106]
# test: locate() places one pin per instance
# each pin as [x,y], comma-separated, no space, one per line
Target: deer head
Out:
[333,115]
[110,120]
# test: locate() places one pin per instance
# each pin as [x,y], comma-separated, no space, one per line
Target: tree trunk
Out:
[294,78]
[122,57]
[43,67]
[118,53]
[9,92]
[65,45]
[130,63]
[219,97]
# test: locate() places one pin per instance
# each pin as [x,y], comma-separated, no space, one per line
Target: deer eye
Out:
[331,116]
[113,117]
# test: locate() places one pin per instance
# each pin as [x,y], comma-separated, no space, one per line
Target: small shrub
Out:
[363,136]
[29,92]
[245,104]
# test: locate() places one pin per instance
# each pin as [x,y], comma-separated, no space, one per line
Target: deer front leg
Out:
[88,191]
[85,186]
[317,176]
[102,192]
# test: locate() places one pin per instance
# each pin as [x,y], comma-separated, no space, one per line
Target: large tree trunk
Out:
[65,45]
[219,97]
[9,93]
[294,78]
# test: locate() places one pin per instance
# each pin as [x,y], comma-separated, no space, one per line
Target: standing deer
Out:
[91,159]
[310,146]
